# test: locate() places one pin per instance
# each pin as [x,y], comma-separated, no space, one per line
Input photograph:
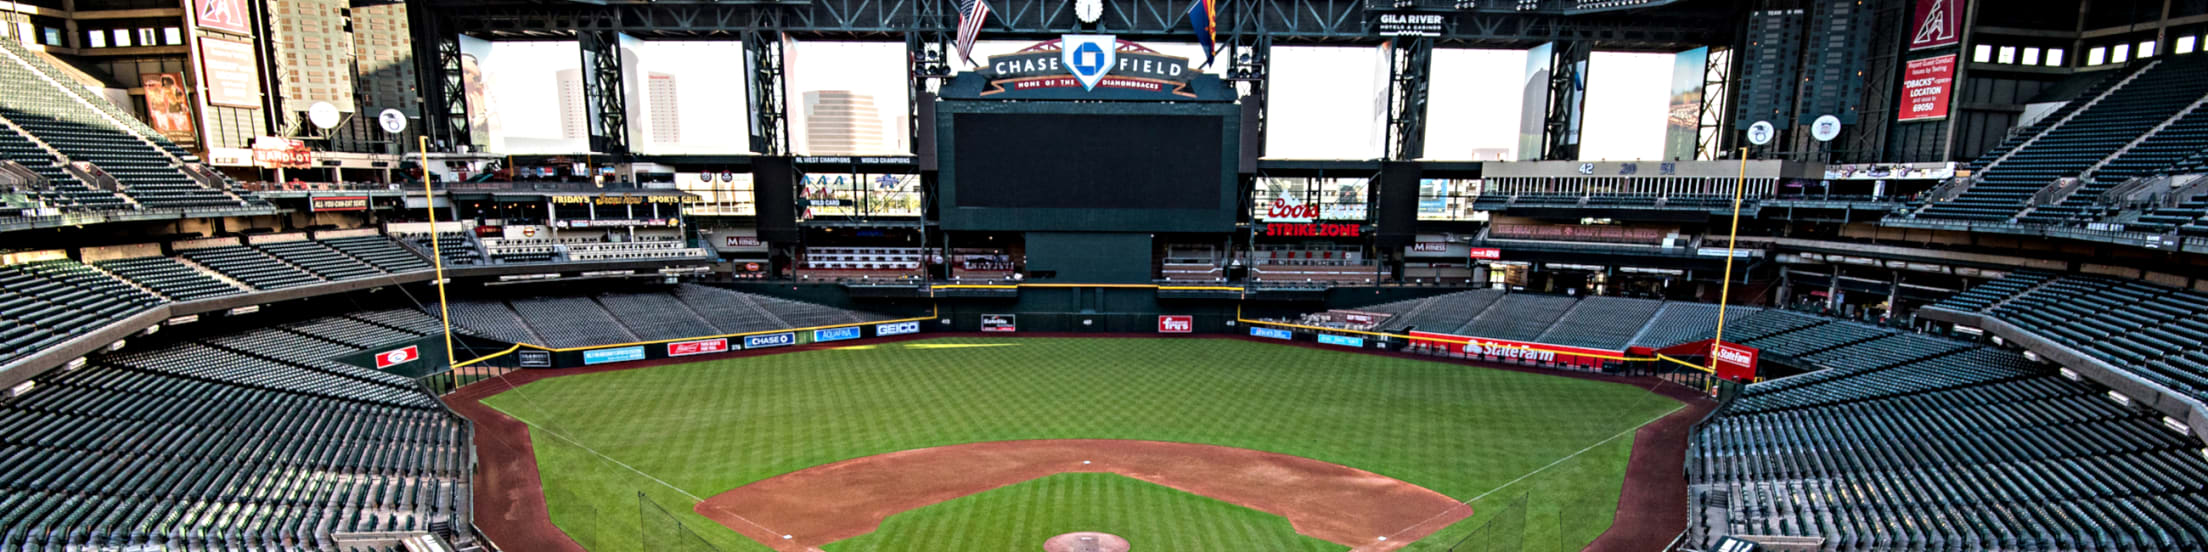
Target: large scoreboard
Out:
[1140,151]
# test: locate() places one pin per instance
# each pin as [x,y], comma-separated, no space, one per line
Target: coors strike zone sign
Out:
[1088,62]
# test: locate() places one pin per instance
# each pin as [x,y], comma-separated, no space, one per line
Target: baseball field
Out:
[988,444]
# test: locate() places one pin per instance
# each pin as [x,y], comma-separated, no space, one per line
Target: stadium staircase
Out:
[2121,115]
[252,440]
[76,127]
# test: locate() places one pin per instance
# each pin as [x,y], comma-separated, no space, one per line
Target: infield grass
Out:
[683,432]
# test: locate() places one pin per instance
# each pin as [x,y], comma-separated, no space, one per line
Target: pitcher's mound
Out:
[1085,541]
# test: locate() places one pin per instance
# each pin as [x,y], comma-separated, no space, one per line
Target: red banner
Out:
[1176,323]
[168,104]
[1734,361]
[1938,23]
[1523,351]
[699,347]
[1926,85]
[1486,254]
[396,357]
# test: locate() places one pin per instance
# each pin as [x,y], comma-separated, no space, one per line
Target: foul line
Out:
[579,444]
[1469,501]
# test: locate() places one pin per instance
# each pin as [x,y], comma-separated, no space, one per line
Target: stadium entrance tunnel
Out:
[832,502]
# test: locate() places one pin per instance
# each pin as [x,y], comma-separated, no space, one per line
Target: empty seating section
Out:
[2185,135]
[62,190]
[353,332]
[2157,333]
[1813,339]
[861,263]
[169,278]
[1977,450]
[687,310]
[1762,324]
[1601,322]
[655,315]
[403,319]
[249,265]
[457,248]
[570,321]
[322,261]
[379,252]
[75,126]
[196,447]
[730,311]
[491,318]
[2067,148]
[1517,316]
[1440,313]
[44,303]
[1678,323]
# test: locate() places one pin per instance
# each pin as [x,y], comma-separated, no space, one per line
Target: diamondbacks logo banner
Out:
[1938,23]
[1088,62]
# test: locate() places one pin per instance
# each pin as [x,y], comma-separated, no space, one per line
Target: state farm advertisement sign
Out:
[1176,323]
[1734,361]
[1516,351]
[699,347]
[1926,86]
[397,357]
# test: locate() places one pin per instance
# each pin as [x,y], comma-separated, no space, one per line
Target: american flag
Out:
[970,15]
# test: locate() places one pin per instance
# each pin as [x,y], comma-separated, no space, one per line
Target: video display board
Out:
[1088,166]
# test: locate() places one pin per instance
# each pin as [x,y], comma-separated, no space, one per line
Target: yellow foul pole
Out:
[1732,240]
[437,255]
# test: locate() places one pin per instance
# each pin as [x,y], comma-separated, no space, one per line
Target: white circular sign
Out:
[392,121]
[322,114]
[1761,133]
[1825,129]
[1088,10]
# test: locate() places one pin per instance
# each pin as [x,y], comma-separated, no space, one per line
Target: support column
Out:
[605,100]
[768,97]
[1567,99]
[1410,60]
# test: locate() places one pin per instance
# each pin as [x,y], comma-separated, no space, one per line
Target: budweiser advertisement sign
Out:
[698,347]
[1733,361]
[1176,323]
[397,357]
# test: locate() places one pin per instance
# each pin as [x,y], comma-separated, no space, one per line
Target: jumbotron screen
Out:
[1089,171]
[1088,161]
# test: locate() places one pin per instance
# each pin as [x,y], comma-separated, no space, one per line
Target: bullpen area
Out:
[988,444]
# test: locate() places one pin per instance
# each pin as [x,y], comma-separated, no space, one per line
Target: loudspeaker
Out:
[774,189]
[1250,140]
[1398,204]
[924,144]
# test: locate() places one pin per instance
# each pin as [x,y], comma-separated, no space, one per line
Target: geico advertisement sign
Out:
[898,328]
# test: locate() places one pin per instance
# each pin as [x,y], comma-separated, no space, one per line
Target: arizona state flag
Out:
[1204,19]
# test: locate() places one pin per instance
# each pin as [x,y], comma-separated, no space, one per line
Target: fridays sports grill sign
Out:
[1088,62]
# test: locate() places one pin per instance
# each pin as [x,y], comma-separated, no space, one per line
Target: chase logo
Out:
[1089,57]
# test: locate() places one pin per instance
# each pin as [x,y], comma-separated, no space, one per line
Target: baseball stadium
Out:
[1103,276]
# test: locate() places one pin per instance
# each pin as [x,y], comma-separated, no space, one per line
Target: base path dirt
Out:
[1331,502]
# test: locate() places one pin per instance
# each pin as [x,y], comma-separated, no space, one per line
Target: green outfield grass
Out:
[675,433]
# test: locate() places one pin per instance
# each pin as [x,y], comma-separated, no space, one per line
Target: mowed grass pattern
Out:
[713,426]
[1021,516]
